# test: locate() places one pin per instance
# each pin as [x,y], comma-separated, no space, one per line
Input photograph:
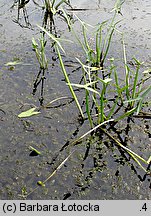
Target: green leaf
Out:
[132,100]
[35,150]
[34,43]
[12,63]
[128,113]
[149,160]
[86,86]
[56,40]
[145,92]
[40,183]
[147,71]
[28,113]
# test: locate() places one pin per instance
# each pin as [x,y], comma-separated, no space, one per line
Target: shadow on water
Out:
[97,168]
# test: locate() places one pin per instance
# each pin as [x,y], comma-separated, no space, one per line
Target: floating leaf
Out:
[28,113]
[147,71]
[40,183]
[12,63]
[35,150]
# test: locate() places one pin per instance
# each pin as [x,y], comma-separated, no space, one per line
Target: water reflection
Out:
[22,11]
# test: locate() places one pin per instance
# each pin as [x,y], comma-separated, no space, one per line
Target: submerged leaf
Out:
[28,113]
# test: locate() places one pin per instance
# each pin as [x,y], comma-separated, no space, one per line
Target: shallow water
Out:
[94,170]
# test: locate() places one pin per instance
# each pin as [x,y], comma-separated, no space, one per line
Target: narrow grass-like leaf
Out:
[58,168]
[113,108]
[53,101]
[149,160]
[68,81]
[119,90]
[102,103]
[132,100]
[60,3]
[90,131]
[136,160]
[98,48]
[125,148]
[139,106]
[86,87]
[135,81]
[42,183]
[128,113]
[145,92]
[40,52]
[108,45]
[56,40]
[85,45]
[127,70]
[99,43]
[142,96]
[88,108]
[67,19]
[92,68]
[117,6]
[105,81]
[57,46]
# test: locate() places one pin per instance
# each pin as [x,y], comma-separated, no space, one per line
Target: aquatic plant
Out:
[42,183]
[43,64]
[52,8]
[28,113]
[100,78]
[108,99]
[58,48]
[52,5]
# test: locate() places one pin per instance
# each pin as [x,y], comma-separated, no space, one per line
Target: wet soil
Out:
[97,169]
